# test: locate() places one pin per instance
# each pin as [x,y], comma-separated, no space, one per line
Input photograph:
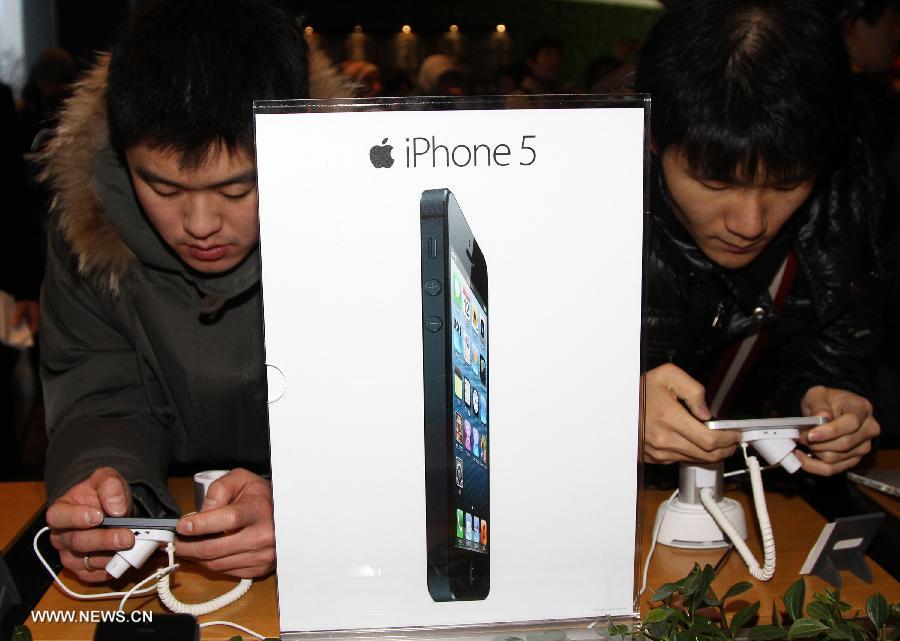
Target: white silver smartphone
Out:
[783,422]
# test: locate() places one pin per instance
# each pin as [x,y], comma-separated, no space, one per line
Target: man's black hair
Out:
[747,87]
[185,73]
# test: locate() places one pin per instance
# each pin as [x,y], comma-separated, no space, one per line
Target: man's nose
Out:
[748,218]
[201,217]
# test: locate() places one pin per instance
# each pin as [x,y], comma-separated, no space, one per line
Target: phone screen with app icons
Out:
[469,348]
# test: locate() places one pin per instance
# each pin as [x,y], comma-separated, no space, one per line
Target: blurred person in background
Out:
[49,84]
[365,77]
[440,75]
[543,66]
[21,268]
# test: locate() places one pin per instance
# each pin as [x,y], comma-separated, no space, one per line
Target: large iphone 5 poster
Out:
[452,299]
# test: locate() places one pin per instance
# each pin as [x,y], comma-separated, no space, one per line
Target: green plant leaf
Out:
[700,587]
[857,633]
[894,616]
[21,633]
[690,585]
[767,633]
[793,599]
[665,591]
[837,633]
[803,628]
[776,620]
[822,612]
[736,589]
[877,609]
[704,627]
[659,614]
[655,630]
[828,597]
[236,638]
[742,617]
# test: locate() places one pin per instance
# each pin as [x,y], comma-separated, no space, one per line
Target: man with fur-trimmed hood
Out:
[151,337]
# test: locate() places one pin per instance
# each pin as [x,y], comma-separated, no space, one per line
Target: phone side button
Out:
[433,324]
[433,287]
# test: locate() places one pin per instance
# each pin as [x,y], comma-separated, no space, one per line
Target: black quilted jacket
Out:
[829,332]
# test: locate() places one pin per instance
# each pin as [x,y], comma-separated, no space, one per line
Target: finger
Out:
[97,539]
[683,387]
[76,564]
[836,455]
[65,516]
[672,446]
[821,468]
[245,561]
[816,402]
[252,573]
[212,547]
[115,494]
[224,519]
[686,455]
[226,552]
[836,428]
[16,317]
[705,438]
[224,490]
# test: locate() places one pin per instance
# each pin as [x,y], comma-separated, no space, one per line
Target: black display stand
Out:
[842,546]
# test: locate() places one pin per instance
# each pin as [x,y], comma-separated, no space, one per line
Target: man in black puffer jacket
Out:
[770,245]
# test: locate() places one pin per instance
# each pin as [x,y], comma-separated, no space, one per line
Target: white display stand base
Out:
[686,525]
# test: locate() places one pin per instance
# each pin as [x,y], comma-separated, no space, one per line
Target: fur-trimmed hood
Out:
[69,167]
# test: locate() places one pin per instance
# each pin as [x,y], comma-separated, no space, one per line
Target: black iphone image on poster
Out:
[455,377]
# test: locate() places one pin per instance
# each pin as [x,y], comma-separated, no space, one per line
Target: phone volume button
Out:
[433,287]
[433,324]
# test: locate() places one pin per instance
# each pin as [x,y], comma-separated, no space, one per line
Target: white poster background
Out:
[562,238]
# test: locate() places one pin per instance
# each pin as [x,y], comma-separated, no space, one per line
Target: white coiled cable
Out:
[197,609]
[707,497]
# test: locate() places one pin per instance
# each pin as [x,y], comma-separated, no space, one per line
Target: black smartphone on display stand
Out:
[455,378]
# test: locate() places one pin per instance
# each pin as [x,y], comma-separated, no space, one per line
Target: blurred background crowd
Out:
[404,48]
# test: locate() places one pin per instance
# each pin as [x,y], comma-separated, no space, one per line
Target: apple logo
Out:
[380,155]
